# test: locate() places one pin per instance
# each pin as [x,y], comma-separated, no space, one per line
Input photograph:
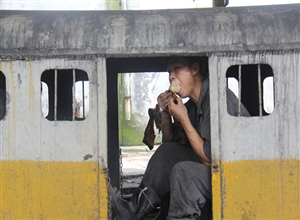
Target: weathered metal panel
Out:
[123,33]
[43,163]
[31,136]
[257,159]
[102,109]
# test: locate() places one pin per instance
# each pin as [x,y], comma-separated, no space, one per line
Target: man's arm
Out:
[195,140]
[179,111]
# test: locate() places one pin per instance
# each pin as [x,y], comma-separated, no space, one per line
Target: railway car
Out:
[57,164]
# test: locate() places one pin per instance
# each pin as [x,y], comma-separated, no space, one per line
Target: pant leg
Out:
[160,165]
[190,189]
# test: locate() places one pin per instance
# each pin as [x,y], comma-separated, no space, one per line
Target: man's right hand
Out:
[162,100]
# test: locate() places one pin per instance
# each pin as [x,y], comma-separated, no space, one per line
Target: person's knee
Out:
[188,169]
[178,170]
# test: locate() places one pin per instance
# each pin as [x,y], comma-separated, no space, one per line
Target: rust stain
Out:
[31,89]
[264,189]
[11,128]
[11,67]
[31,103]
[31,93]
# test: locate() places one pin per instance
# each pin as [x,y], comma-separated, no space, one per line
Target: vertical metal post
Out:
[220,3]
[74,96]
[83,101]
[259,89]
[55,95]
[127,95]
[123,4]
[240,89]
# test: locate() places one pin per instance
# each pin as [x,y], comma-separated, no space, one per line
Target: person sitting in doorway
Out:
[178,173]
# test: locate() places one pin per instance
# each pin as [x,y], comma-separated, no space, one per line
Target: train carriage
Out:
[58,165]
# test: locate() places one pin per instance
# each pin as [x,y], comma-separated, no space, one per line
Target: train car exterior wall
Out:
[52,169]
[58,169]
[255,173]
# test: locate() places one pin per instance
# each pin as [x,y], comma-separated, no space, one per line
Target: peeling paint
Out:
[88,156]
[257,193]
[19,80]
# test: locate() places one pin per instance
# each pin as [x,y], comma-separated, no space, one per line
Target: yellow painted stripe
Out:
[53,190]
[257,189]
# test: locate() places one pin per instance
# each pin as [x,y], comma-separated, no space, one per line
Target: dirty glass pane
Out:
[268,94]
[81,99]
[233,85]
[44,99]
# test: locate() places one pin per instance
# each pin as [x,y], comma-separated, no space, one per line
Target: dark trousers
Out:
[160,166]
[191,193]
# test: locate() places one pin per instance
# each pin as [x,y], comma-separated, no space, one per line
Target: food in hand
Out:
[174,87]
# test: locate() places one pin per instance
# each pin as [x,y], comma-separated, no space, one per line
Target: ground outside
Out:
[134,163]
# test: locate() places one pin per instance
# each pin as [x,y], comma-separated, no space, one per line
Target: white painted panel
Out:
[26,134]
[253,138]
[102,109]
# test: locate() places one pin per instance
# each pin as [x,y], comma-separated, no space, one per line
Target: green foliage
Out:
[129,133]
[112,4]
[131,136]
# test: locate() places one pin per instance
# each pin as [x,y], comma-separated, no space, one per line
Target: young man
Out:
[180,167]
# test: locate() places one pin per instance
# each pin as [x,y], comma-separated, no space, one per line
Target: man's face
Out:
[180,71]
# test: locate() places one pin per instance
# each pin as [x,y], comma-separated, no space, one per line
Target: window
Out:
[2,96]
[64,95]
[253,84]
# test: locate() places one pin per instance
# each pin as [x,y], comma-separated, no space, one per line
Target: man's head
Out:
[201,62]
[188,72]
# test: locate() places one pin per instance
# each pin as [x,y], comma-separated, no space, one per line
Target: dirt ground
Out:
[134,163]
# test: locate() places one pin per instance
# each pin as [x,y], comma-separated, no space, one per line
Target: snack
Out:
[174,87]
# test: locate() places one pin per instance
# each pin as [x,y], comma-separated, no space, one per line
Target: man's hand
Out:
[163,100]
[177,109]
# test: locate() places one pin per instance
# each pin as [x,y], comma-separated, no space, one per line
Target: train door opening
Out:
[133,85]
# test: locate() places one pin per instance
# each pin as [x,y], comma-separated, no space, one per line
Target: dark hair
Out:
[203,62]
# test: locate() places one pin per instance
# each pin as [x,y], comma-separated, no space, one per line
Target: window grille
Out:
[64,94]
[253,84]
